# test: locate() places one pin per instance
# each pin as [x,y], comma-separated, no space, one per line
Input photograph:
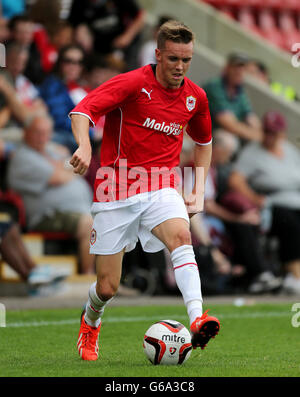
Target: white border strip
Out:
[204,144]
[254,315]
[82,114]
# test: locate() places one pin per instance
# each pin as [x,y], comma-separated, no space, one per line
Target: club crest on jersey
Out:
[190,103]
[93,236]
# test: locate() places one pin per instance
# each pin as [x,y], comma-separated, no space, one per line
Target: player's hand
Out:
[194,204]
[81,160]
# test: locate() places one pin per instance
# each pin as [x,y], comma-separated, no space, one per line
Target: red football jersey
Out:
[143,131]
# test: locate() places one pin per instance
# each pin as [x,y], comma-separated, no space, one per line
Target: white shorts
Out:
[119,224]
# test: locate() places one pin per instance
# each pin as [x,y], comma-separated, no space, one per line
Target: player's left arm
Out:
[199,129]
[202,158]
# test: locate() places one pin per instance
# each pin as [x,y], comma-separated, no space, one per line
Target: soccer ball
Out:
[167,342]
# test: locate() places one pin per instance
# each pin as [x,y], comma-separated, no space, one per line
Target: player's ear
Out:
[158,54]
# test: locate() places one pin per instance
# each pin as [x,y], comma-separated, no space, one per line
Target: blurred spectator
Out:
[259,71]
[99,70]
[49,44]
[147,51]
[21,31]
[11,106]
[15,254]
[115,24]
[84,37]
[11,8]
[55,199]
[50,32]
[62,90]
[229,105]
[16,60]
[18,98]
[242,226]
[4,31]
[215,268]
[267,174]
[102,68]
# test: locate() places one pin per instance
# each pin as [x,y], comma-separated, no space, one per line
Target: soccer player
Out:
[146,111]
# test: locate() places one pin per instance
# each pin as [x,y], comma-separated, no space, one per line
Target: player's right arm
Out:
[102,100]
[82,156]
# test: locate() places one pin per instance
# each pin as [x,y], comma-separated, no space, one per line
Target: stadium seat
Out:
[273,4]
[227,11]
[292,5]
[247,20]
[269,29]
[289,29]
[14,200]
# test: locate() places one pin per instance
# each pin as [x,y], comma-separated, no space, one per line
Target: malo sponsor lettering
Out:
[169,129]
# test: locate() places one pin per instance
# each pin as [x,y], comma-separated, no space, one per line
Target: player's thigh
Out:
[173,232]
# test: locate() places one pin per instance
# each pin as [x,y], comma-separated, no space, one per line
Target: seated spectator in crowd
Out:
[147,50]
[15,254]
[55,199]
[21,29]
[49,44]
[115,24]
[62,90]
[47,25]
[241,227]
[4,31]
[99,70]
[267,174]
[16,60]
[84,37]
[215,267]
[13,113]
[259,71]
[229,105]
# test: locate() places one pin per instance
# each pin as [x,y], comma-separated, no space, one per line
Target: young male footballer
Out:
[146,111]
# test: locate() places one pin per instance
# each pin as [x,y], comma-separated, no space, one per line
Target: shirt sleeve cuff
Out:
[204,144]
[82,114]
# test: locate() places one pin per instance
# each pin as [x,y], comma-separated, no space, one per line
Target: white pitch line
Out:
[254,315]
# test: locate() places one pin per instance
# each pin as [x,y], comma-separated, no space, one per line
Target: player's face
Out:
[173,62]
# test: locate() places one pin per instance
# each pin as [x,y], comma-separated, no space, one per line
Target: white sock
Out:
[188,279]
[94,308]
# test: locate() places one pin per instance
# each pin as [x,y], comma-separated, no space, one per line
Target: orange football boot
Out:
[87,344]
[204,328]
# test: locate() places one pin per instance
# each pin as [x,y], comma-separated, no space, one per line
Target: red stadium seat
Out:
[274,4]
[269,28]
[289,29]
[247,20]
[16,201]
[292,5]
[227,11]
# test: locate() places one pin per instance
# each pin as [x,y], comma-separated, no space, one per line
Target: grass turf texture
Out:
[256,340]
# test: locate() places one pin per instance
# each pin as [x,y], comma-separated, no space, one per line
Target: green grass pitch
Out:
[256,340]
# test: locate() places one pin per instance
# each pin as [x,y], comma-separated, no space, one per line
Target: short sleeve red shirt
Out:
[143,129]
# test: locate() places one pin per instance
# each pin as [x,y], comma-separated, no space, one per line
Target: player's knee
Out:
[106,289]
[182,237]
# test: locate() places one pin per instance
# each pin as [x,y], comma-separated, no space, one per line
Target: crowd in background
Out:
[247,238]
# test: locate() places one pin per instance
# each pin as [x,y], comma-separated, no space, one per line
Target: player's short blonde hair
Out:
[174,31]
